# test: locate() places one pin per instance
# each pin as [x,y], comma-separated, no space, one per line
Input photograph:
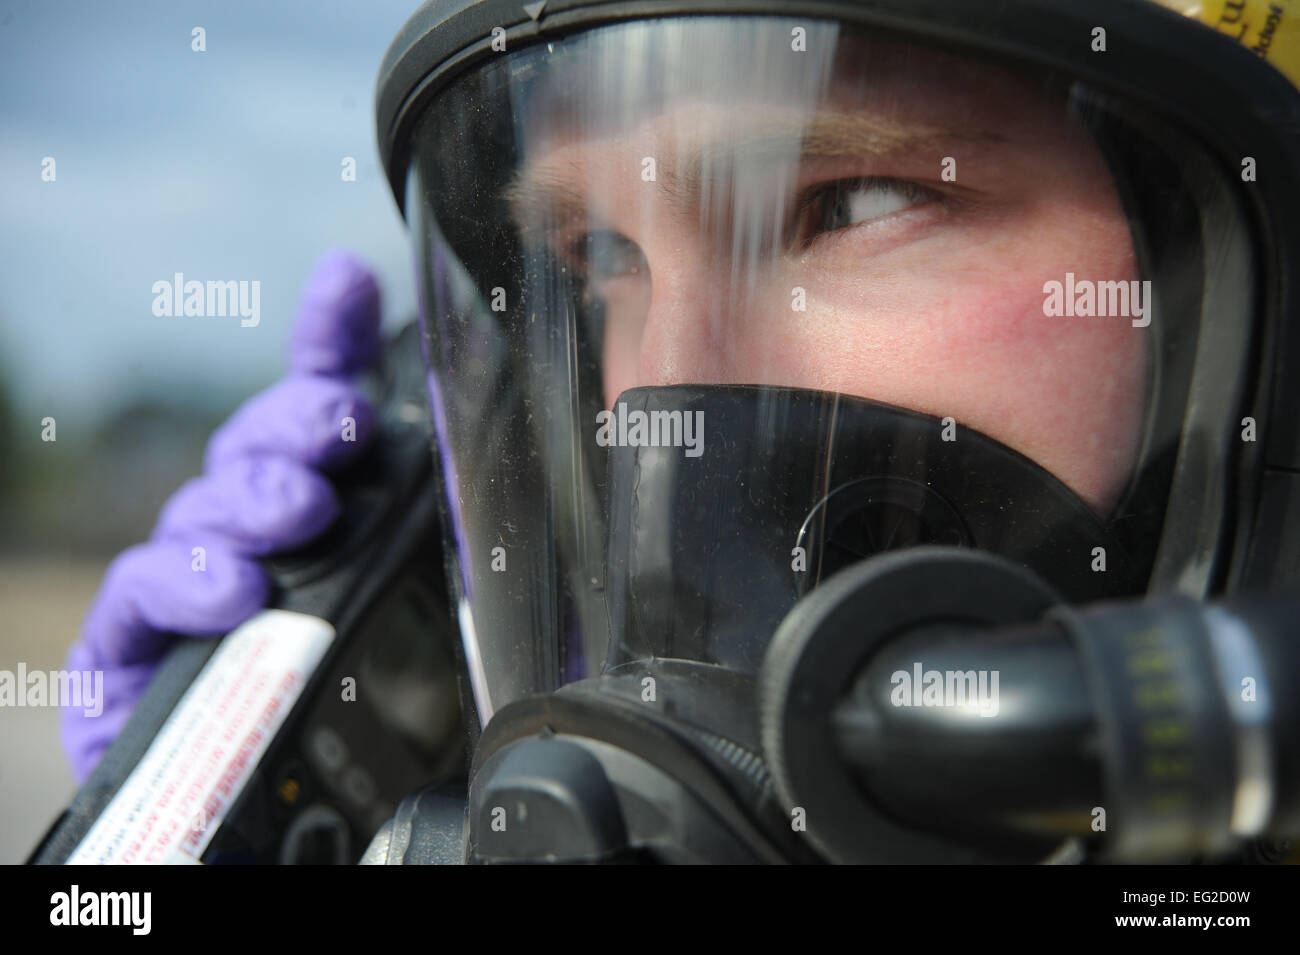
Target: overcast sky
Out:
[221,165]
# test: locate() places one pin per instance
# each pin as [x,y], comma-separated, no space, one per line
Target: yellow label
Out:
[1268,28]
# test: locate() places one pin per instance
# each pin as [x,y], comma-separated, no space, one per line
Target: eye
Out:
[850,202]
[605,255]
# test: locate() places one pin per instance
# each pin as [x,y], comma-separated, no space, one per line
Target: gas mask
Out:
[850,430]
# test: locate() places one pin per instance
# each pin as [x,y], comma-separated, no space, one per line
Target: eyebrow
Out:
[548,196]
[833,135]
[539,201]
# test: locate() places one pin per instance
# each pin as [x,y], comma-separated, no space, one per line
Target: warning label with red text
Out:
[175,799]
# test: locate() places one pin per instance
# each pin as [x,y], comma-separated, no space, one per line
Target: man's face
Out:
[889,239]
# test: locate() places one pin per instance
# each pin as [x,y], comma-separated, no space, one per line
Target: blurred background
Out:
[224,164]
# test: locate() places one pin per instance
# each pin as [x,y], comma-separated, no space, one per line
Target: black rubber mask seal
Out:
[703,556]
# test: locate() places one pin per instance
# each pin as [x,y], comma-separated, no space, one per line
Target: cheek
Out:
[973,343]
[1065,392]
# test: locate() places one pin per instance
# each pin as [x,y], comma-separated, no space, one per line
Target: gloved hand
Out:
[262,491]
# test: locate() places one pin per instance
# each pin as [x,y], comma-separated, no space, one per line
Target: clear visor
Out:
[714,306]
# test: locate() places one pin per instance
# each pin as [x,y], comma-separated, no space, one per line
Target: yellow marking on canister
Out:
[1268,28]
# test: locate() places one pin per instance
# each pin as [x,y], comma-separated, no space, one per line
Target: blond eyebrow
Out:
[547,197]
[832,135]
[540,202]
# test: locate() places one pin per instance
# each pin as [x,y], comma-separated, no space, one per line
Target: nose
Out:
[689,318]
[684,339]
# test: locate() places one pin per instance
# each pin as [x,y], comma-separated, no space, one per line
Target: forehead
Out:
[682,79]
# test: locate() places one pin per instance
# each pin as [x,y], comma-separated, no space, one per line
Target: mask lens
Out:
[715,306]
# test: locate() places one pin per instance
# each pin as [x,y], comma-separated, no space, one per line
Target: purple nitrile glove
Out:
[262,491]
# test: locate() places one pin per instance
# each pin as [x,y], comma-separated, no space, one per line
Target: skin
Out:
[933,301]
